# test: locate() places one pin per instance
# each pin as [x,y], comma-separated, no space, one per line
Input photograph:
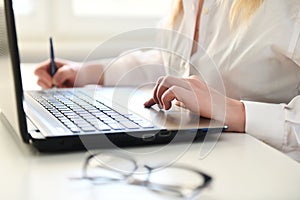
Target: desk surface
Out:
[242,168]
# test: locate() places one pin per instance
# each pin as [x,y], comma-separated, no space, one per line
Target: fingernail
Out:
[160,106]
[146,104]
[54,82]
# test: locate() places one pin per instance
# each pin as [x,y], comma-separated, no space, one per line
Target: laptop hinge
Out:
[33,131]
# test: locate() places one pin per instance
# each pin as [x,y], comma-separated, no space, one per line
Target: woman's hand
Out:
[193,94]
[64,77]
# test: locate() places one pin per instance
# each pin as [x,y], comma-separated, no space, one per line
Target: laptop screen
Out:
[11,92]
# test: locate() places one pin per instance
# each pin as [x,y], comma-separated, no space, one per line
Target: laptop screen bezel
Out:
[15,60]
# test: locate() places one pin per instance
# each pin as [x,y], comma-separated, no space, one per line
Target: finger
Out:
[160,89]
[63,75]
[155,99]
[180,104]
[175,92]
[43,65]
[168,82]
[44,85]
[45,78]
[43,74]
[161,86]
[61,63]
[149,103]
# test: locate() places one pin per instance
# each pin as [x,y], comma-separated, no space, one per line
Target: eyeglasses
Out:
[177,180]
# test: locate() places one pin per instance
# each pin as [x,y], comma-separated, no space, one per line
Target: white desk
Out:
[242,168]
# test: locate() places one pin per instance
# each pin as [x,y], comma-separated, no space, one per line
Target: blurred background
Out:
[79,26]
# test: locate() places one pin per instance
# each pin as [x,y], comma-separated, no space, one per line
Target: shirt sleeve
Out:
[134,68]
[276,124]
[294,44]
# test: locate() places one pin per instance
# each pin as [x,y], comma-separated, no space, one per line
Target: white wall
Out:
[78,26]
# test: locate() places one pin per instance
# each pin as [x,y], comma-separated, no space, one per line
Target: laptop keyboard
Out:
[81,113]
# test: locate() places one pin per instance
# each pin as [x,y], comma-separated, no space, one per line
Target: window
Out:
[80,24]
[23,7]
[129,8]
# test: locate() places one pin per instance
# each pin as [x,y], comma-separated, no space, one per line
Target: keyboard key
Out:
[88,128]
[102,127]
[145,124]
[82,123]
[116,126]
[74,129]
[130,125]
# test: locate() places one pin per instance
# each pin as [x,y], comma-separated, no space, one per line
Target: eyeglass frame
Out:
[146,183]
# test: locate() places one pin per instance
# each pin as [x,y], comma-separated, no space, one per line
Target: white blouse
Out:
[259,64]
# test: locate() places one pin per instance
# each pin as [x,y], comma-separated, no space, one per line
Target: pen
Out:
[52,61]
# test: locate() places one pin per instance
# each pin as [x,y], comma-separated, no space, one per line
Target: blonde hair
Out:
[176,12]
[240,11]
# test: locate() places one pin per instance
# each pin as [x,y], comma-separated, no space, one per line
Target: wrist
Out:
[235,115]
[90,73]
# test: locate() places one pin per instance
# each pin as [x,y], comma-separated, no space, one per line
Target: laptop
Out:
[89,117]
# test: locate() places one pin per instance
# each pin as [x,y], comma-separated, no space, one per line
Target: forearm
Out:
[91,72]
[134,68]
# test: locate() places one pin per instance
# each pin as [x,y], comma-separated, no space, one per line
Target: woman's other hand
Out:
[65,75]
